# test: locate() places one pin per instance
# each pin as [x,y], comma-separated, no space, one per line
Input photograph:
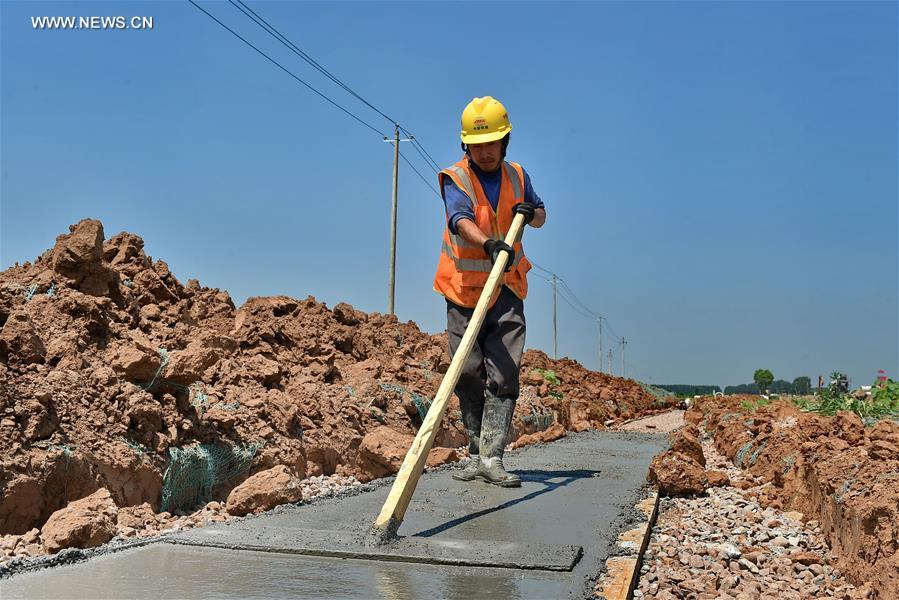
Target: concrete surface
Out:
[576,492]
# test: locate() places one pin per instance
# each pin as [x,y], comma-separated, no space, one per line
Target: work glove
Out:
[494,247]
[524,208]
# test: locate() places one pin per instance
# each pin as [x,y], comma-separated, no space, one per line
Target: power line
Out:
[574,308]
[433,189]
[578,310]
[270,29]
[609,332]
[576,299]
[430,158]
[548,272]
[422,152]
[417,143]
[615,336]
[584,310]
[568,288]
[315,64]
[581,309]
[283,68]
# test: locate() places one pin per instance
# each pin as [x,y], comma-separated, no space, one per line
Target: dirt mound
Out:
[583,399]
[111,369]
[843,474]
[680,470]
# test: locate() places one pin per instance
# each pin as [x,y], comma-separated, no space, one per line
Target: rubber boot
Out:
[494,431]
[472,410]
[470,471]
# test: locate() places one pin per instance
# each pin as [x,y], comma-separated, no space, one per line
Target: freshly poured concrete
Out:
[573,494]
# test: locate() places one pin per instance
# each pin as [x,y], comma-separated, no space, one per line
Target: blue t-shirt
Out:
[459,206]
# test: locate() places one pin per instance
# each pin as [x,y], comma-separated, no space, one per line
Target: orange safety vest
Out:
[463,268]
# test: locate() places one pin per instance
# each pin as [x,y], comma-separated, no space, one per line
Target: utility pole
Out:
[623,369]
[610,362]
[555,345]
[599,322]
[391,280]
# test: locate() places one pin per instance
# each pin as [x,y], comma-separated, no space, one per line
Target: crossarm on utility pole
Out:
[394,509]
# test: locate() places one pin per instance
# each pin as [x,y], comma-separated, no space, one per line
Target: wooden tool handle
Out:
[394,508]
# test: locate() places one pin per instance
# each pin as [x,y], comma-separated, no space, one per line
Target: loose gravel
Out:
[725,545]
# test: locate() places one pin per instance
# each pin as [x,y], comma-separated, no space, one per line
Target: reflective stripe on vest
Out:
[465,180]
[513,177]
[461,242]
[474,264]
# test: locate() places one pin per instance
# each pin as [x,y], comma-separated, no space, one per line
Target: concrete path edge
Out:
[623,571]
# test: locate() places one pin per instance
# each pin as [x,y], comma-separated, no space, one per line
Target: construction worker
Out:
[483,192]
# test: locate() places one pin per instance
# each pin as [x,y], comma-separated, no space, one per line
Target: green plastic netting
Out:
[422,403]
[195,471]
[541,419]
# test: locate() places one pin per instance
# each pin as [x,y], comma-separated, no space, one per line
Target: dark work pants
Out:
[495,358]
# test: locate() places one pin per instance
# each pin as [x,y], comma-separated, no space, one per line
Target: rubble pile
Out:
[110,367]
[843,475]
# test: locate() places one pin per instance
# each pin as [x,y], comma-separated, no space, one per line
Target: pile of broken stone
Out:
[725,545]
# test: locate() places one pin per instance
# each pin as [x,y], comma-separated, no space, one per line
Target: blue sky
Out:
[720,178]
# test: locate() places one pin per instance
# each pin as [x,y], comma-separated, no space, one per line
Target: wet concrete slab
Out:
[575,494]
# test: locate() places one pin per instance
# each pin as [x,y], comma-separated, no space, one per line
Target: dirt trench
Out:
[841,475]
[110,367]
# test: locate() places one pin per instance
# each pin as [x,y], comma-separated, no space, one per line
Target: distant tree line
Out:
[800,386]
[746,388]
[689,390]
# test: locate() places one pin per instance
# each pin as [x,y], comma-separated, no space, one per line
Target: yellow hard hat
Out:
[484,120]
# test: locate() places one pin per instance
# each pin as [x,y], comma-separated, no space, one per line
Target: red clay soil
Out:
[832,469]
[107,361]
[680,470]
